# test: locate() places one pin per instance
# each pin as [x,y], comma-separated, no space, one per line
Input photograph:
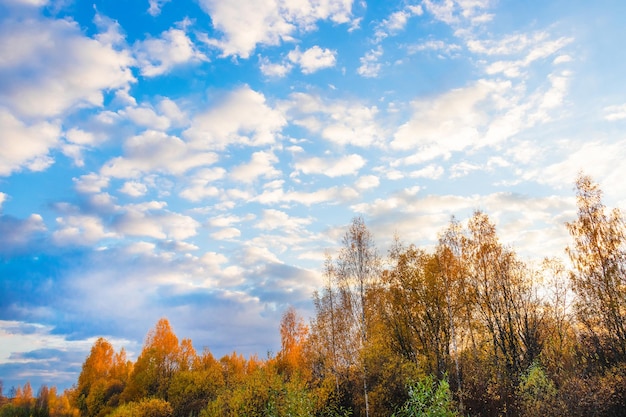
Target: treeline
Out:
[467,328]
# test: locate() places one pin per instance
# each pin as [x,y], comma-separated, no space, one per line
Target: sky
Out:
[195,159]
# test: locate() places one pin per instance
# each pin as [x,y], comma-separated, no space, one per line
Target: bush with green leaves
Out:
[428,398]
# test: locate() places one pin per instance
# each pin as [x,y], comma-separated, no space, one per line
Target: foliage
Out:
[428,398]
[150,407]
[599,275]
[538,395]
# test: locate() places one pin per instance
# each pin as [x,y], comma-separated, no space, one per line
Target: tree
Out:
[293,336]
[102,378]
[357,270]
[506,301]
[599,276]
[418,311]
[160,358]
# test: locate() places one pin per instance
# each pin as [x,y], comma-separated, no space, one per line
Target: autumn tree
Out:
[417,312]
[506,302]
[358,267]
[293,336]
[102,378]
[598,255]
[160,358]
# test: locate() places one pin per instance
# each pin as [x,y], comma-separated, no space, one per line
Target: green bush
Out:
[428,398]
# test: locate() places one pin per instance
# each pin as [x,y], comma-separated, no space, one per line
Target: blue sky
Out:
[194,159]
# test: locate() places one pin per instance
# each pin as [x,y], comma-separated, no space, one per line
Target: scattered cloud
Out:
[616,112]
[156,151]
[156,56]
[313,59]
[370,65]
[156,6]
[24,146]
[241,117]
[331,167]
[40,82]
[261,165]
[246,24]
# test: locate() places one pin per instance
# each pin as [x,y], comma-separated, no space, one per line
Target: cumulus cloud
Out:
[247,23]
[459,12]
[156,6]
[154,151]
[241,117]
[333,194]
[396,22]
[152,220]
[18,234]
[200,185]
[447,123]
[331,167]
[261,165]
[616,112]
[227,233]
[313,59]
[274,69]
[367,181]
[90,183]
[156,56]
[81,230]
[370,65]
[56,67]
[272,219]
[134,189]
[24,146]
[340,122]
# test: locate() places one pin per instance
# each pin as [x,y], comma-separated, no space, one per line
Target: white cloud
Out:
[80,137]
[274,69]
[272,219]
[261,165]
[80,230]
[432,172]
[160,55]
[335,195]
[331,167]
[154,151]
[56,68]
[396,22]
[134,189]
[313,59]
[241,117]
[90,183]
[617,112]
[341,122]
[3,198]
[443,48]
[156,6]
[367,181]
[450,122]
[370,67]
[26,146]
[172,111]
[457,12]
[527,48]
[248,23]
[227,220]
[17,233]
[226,234]
[146,117]
[151,220]
[463,169]
[200,185]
